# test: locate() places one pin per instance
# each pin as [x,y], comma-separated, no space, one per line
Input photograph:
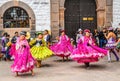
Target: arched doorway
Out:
[16,17]
[80,14]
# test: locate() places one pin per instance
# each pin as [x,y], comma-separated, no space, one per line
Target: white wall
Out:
[116,13]
[41,9]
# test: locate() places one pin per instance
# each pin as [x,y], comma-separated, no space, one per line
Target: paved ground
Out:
[55,70]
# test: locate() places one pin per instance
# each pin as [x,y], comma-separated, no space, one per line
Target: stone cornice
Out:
[100,9]
[62,8]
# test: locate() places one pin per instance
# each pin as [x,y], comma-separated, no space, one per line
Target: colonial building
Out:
[116,13]
[38,15]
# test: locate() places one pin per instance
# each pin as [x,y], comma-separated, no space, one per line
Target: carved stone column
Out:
[61,12]
[100,18]
[100,14]
[55,18]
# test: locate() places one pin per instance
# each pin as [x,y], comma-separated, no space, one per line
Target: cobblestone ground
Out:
[55,70]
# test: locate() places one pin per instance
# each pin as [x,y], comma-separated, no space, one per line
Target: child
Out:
[86,50]
[63,48]
[39,49]
[24,61]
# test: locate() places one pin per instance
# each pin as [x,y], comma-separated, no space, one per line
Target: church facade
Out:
[54,15]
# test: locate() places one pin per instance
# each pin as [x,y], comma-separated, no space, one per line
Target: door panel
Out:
[79,14]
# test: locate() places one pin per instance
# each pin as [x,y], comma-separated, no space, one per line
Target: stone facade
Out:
[104,14]
[116,13]
[109,13]
[38,11]
[49,14]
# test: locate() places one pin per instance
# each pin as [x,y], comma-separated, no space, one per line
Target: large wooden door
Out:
[79,14]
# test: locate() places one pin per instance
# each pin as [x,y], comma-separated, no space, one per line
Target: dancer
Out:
[111,41]
[63,48]
[87,51]
[24,61]
[12,47]
[39,49]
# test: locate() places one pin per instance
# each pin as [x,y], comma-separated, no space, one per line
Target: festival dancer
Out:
[24,61]
[39,49]
[63,48]
[87,51]
[12,47]
[111,41]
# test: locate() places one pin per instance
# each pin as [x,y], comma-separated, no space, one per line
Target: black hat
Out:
[23,33]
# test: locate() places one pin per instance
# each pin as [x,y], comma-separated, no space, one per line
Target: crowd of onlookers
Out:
[99,36]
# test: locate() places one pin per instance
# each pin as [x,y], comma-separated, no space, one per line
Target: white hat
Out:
[79,30]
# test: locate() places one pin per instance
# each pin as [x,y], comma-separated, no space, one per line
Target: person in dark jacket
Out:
[15,37]
[7,48]
[102,38]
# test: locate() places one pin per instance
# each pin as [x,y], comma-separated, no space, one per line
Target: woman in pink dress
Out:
[63,48]
[24,61]
[87,51]
[12,47]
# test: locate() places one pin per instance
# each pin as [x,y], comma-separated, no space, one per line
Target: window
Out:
[15,17]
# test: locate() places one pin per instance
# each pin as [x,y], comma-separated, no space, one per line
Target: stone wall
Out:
[55,18]
[49,14]
[39,8]
[116,13]
[109,14]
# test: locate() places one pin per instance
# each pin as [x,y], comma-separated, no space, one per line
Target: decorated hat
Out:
[62,31]
[23,33]
[111,28]
[87,30]
[38,33]
[79,30]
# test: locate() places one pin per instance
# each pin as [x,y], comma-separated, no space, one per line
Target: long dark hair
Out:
[5,34]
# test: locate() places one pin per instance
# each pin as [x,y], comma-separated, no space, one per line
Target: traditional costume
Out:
[39,49]
[63,48]
[111,41]
[24,61]
[12,46]
[86,51]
